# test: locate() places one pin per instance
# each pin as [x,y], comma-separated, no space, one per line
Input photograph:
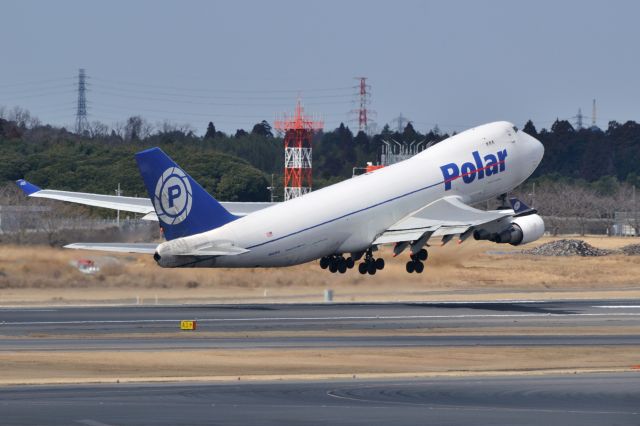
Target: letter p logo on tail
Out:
[173,196]
[183,207]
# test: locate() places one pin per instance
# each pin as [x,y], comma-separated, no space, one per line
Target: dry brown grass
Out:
[43,275]
[48,367]
[583,330]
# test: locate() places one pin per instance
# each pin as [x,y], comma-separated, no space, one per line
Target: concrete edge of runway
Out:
[323,377]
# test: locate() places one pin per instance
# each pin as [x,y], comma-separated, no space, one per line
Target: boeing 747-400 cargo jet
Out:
[405,204]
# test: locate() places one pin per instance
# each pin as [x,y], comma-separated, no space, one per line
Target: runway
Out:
[611,399]
[339,325]
[582,399]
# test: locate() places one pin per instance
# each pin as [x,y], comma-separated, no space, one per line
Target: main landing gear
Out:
[337,263]
[415,264]
[370,265]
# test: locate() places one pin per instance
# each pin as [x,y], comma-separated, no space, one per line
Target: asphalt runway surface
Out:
[603,399]
[142,327]
[583,399]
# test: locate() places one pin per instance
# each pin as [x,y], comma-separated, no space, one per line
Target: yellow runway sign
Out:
[187,325]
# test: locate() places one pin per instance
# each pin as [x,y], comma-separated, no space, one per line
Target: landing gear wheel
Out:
[410,266]
[371,268]
[333,266]
[350,262]
[379,264]
[423,255]
[324,262]
[362,268]
[419,267]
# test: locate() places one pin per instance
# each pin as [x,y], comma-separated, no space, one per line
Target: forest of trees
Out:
[590,155]
[239,166]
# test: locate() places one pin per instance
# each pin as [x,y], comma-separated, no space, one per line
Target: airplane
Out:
[405,204]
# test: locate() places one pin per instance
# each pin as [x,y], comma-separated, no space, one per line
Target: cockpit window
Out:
[515,129]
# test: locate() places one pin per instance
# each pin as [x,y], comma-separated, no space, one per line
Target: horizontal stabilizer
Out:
[217,251]
[144,248]
[208,248]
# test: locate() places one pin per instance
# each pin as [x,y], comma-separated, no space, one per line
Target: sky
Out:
[456,64]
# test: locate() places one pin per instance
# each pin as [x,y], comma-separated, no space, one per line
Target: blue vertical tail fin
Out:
[183,207]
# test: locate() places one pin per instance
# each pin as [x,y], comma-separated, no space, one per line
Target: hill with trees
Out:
[240,166]
[589,154]
[55,158]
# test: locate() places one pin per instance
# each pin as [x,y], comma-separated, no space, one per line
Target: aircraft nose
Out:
[533,147]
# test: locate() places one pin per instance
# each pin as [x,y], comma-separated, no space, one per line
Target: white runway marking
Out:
[334,318]
[618,306]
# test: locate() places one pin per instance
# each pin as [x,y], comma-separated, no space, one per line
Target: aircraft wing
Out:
[127,204]
[446,216]
[144,248]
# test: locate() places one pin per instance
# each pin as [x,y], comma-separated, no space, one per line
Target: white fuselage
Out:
[348,216]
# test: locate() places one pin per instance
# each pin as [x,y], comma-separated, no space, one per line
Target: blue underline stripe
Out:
[346,215]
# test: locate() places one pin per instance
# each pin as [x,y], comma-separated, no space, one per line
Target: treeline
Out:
[600,207]
[590,154]
[240,166]
[54,158]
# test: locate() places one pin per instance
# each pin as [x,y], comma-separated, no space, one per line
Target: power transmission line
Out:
[37,95]
[218,90]
[152,98]
[192,96]
[35,83]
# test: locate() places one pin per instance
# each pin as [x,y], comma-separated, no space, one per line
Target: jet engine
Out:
[521,230]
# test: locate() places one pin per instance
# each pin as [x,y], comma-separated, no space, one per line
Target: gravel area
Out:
[631,250]
[569,248]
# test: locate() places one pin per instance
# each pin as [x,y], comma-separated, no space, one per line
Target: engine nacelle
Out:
[521,230]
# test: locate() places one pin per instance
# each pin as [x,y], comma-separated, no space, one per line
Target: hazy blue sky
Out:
[454,63]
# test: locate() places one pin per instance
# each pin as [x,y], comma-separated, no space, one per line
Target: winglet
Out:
[27,187]
[520,208]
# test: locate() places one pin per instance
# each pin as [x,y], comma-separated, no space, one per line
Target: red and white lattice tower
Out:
[365,114]
[364,98]
[298,133]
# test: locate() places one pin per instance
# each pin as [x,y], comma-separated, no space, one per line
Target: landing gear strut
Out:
[370,265]
[337,263]
[415,264]
[502,198]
